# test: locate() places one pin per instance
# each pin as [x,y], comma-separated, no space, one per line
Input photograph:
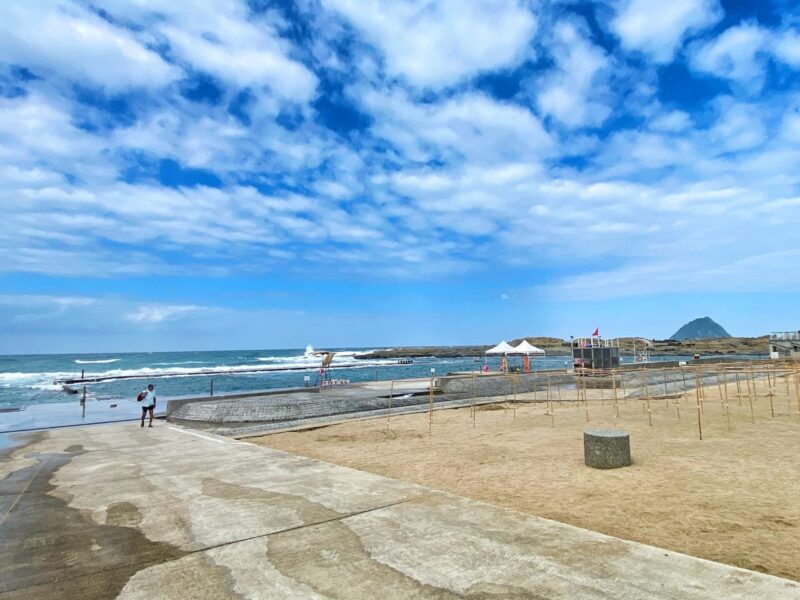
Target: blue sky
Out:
[229,174]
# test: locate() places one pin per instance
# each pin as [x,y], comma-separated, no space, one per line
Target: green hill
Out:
[700,329]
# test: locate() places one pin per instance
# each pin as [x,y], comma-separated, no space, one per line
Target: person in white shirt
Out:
[148,400]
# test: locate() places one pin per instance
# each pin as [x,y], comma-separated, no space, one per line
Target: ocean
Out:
[31,398]
[29,379]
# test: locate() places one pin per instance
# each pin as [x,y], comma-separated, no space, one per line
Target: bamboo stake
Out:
[699,419]
[430,407]
[685,393]
[797,389]
[514,383]
[558,391]
[738,387]
[389,413]
[474,393]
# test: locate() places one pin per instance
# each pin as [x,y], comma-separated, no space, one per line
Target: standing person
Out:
[148,400]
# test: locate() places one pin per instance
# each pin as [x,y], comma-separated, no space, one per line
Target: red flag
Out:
[596,332]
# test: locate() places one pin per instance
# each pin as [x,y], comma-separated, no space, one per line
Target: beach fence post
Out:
[514,384]
[430,403]
[211,388]
[558,389]
[797,389]
[699,419]
[602,395]
[738,387]
[771,405]
[685,392]
[788,393]
[391,396]
[474,393]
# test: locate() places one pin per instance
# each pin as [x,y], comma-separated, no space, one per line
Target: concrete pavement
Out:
[115,511]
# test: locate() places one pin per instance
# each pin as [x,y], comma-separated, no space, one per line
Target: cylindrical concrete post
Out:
[606,448]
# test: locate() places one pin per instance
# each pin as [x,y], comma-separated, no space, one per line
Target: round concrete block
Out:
[606,448]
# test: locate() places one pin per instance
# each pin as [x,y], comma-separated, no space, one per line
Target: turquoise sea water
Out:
[29,379]
[29,397]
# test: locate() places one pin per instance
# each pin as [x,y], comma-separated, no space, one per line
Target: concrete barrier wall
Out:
[483,386]
[174,404]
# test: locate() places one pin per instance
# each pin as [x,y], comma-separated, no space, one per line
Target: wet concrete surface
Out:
[116,511]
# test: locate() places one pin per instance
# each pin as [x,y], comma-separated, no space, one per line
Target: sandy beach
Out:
[733,497]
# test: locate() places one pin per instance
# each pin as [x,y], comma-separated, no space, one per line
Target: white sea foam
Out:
[105,361]
[44,380]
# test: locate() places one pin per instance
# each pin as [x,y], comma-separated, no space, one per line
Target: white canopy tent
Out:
[501,348]
[524,347]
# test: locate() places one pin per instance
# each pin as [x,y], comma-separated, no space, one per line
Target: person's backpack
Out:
[142,395]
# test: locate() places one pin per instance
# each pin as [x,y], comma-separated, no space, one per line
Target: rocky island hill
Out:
[558,347]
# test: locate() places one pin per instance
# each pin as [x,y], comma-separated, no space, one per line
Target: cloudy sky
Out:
[231,174]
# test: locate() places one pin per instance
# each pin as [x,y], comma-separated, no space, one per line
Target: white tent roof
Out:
[501,348]
[526,348]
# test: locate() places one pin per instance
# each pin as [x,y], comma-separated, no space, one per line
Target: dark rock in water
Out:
[701,329]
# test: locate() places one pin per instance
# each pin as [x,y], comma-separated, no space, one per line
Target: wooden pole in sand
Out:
[389,413]
[473,400]
[699,423]
[430,404]
[614,392]
[797,389]
[700,391]
[771,405]
[750,399]
[514,384]
[558,390]
[738,387]
[685,393]
[666,391]
[602,395]
[624,391]
[788,395]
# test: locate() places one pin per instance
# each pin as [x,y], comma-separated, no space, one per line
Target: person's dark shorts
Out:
[146,408]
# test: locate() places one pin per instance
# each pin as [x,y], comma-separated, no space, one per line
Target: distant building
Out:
[784,344]
[595,353]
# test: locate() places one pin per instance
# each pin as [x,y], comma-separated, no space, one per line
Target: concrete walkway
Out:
[115,511]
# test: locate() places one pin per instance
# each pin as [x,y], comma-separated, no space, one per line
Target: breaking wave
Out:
[104,361]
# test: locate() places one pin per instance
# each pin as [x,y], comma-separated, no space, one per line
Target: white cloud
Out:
[569,93]
[471,127]
[736,54]
[438,44]
[786,48]
[65,39]
[740,126]
[658,31]
[674,120]
[245,55]
[157,313]
[225,39]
